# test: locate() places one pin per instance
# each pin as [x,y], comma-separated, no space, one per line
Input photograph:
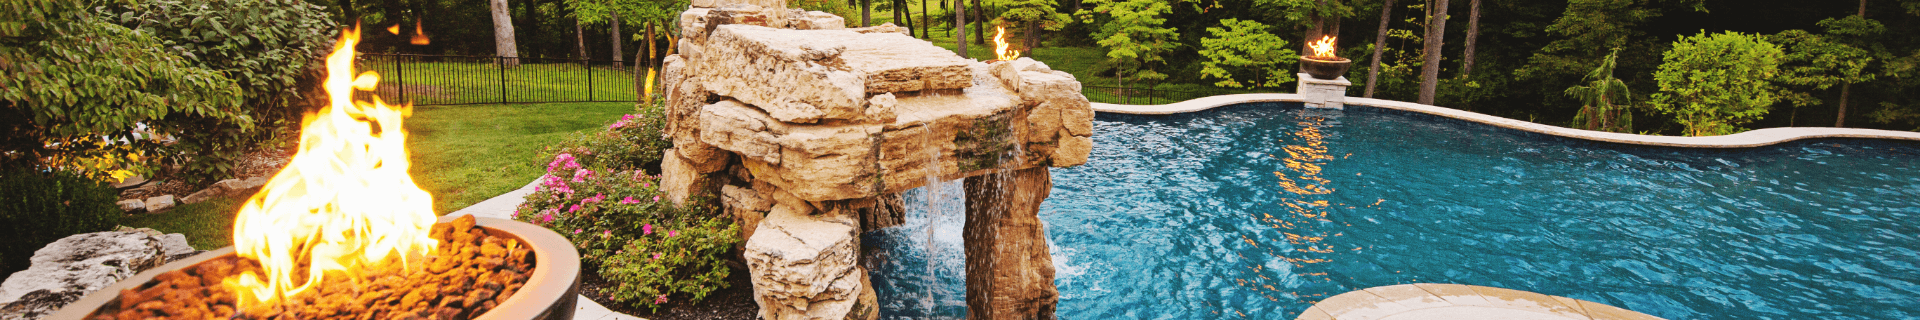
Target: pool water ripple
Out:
[1259,210]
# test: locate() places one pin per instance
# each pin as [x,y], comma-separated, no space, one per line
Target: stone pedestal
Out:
[1009,270]
[1327,94]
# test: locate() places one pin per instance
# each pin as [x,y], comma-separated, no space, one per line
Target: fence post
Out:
[501,62]
[588,63]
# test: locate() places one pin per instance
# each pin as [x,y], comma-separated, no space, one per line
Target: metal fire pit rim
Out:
[550,265]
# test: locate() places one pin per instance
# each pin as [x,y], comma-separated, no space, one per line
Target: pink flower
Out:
[616,125]
[656,198]
[595,198]
[656,256]
[607,233]
[646,229]
[573,208]
[545,218]
[561,160]
[671,233]
[660,300]
[629,200]
[626,118]
[576,231]
[581,175]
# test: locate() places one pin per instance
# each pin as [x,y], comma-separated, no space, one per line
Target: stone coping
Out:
[1439,301]
[1755,138]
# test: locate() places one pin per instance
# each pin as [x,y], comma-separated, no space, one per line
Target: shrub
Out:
[37,208]
[595,194]
[1713,83]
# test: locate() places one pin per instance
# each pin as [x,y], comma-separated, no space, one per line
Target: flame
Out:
[1000,45]
[419,35]
[1323,49]
[395,29]
[343,202]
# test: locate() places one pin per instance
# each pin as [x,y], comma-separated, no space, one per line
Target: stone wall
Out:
[804,131]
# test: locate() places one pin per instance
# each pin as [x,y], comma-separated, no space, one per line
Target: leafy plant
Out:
[38,207]
[1714,83]
[1597,111]
[1134,34]
[73,85]
[595,194]
[1245,47]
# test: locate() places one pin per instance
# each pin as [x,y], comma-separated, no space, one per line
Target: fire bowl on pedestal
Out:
[551,290]
[1324,69]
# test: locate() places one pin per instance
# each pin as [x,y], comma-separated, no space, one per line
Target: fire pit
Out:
[344,233]
[1323,64]
[549,292]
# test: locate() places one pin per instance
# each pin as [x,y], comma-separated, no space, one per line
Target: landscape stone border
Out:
[1755,138]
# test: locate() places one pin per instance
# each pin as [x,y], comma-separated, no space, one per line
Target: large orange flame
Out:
[1000,46]
[343,202]
[1323,49]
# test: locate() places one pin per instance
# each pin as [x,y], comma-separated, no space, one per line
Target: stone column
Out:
[1329,94]
[1009,271]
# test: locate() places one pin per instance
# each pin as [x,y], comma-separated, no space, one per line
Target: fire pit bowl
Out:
[549,293]
[1324,69]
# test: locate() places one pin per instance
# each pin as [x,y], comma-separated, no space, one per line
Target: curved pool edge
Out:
[1455,301]
[1755,138]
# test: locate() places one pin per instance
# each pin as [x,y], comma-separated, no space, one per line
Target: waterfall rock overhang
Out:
[806,130]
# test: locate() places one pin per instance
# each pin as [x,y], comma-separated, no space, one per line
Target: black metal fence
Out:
[451,79]
[1124,95]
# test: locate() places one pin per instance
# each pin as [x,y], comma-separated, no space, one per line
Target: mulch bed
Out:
[733,302]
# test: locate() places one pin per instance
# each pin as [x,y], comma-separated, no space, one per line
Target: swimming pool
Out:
[1259,210]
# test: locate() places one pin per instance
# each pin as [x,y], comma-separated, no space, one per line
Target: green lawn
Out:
[207,225]
[480,82]
[465,154]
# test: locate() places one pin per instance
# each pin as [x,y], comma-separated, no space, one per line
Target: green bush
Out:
[37,208]
[268,47]
[596,195]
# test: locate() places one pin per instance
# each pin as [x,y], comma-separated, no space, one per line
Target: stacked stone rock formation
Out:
[805,130]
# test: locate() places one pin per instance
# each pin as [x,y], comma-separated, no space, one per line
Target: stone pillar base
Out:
[1009,271]
[1327,94]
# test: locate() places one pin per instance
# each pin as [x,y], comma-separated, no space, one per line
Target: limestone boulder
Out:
[814,20]
[160,203]
[804,76]
[1009,269]
[746,206]
[680,181]
[804,266]
[683,100]
[882,28]
[815,162]
[74,266]
[132,205]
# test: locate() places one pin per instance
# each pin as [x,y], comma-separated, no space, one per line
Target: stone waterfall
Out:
[806,131]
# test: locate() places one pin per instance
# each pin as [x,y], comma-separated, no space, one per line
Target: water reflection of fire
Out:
[343,203]
[1323,49]
[1000,46]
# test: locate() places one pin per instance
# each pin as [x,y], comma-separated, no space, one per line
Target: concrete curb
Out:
[1755,138]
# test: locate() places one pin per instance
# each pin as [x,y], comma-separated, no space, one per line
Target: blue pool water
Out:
[1259,210]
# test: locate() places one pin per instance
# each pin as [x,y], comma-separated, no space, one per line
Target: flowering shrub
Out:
[633,141]
[653,251]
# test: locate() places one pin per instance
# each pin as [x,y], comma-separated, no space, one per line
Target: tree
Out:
[1134,35]
[73,85]
[1712,83]
[1032,15]
[1473,36]
[1597,111]
[1813,62]
[1243,47]
[1379,44]
[1430,70]
[646,13]
[960,27]
[503,33]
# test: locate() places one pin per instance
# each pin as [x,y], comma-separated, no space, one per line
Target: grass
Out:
[468,153]
[208,225]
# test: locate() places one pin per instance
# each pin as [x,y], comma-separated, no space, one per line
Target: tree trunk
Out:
[651,46]
[346,11]
[580,39]
[924,22]
[960,27]
[1863,8]
[1473,34]
[617,52]
[1317,28]
[1430,70]
[1033,36]
[866,13]
[1840,121]
[503,34]
[1379,42]
[979,24]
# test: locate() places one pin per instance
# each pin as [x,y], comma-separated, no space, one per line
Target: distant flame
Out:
[419,35]
[1323,49]
[1000,46]
[344,201]
[395,29]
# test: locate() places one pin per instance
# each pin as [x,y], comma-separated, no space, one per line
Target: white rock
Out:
[131,205]
[74,266]
[160,203]
[804,76]
[805,266]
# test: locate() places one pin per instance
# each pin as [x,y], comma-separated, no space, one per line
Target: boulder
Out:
[680,181]
[882,28]
[814,162]
[1009,269]
[132,205]
[823,74]
[814,20]
[204,195]
[160,203]
[805,266]
[746,206]
[74,266]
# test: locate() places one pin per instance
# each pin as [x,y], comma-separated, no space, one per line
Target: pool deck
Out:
[1755,138]
[1453,301]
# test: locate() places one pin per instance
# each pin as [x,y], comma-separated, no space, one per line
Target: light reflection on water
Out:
[1259,210]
